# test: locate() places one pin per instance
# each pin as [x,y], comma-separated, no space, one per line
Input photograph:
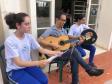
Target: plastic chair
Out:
[59,62]
[6,80]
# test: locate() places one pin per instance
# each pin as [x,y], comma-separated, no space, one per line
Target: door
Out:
[79,8]
[92,10]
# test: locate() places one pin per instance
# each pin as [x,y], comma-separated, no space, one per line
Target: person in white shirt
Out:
[20,67]
[75,31]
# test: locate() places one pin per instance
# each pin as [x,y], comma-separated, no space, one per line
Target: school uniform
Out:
[15,47]
[76,30]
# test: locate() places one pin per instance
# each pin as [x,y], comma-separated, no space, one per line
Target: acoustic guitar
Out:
[63,41]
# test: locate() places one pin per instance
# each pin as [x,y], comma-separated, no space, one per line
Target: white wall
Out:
[111,41]
[6,7]
[16,6]
[104,24]
[1,31]
[32,12]
[111,45]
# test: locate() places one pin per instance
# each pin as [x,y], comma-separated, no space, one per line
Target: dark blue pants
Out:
[30,75]
[75,57]
[89,47]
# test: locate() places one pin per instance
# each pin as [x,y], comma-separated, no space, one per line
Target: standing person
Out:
[75,30]
[72,54]
[68,20]
[20,67]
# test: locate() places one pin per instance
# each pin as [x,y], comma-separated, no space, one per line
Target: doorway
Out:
[88,8]
[72,7]
[64,6]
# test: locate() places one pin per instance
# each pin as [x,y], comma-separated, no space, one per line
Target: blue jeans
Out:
[75,58]
[89,47]
[29,75]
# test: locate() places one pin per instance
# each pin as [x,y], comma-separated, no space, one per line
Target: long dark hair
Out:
[13,18]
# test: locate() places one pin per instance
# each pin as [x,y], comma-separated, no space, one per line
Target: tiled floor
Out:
[103,60]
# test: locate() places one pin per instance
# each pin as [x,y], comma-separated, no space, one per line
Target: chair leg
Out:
[49,68]
[60,65]
[60,71]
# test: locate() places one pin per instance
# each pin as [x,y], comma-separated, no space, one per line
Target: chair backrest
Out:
[3,65]
[40,31]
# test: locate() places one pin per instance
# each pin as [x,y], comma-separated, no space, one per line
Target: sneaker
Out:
[93,65]
[95,72]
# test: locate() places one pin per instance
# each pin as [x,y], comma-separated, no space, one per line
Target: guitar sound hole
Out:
[62,43]
[50,41]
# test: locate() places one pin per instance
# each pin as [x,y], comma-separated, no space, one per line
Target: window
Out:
[94,5]
[95,1]
[43,14]
[93,14]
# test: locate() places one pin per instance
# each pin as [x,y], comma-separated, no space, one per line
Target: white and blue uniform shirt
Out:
[15,47]
[76,30]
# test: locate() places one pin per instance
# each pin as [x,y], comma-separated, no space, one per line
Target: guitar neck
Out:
[68,41]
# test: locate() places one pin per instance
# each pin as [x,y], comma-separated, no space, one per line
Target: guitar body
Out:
[56,41]
[64,41]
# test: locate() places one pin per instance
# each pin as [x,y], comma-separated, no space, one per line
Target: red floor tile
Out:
[103,60]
